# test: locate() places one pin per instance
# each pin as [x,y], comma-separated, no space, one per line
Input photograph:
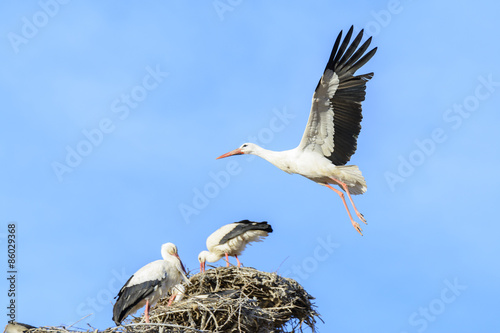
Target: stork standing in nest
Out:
[149,284]
[331,134]
[231,240]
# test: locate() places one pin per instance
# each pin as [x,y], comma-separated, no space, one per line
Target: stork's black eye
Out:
[244,145]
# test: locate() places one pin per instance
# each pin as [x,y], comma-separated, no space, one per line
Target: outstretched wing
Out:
[335,119]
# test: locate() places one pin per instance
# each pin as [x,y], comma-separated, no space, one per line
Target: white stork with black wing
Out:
[231,239]
[149,284]
[334,124]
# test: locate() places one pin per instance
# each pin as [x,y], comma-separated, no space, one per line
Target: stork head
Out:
[168,250]
[246,148]
[202,258]
[205,256]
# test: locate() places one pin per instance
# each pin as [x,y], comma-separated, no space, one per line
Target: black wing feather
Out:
[346,101]
[244,226]
[343,46]
[130,296]
[347,55]
[355,57]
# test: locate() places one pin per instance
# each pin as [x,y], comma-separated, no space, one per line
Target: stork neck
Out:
[213,257]
[277,158]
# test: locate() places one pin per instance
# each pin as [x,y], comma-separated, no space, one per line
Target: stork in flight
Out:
[149,284]
[333,127]
[231,239]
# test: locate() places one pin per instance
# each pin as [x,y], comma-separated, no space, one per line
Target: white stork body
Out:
[332,130]
[311,165]
[231,239]
[14,327]
[149,284]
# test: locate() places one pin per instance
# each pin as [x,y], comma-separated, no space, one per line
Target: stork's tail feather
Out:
[353,178]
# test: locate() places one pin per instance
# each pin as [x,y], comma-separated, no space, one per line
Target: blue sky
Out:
[149,94]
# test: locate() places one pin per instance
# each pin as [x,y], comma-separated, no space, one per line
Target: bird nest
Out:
[237,300]
[224,300]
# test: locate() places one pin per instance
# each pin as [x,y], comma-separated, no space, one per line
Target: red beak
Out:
[177,256]
[231,153]
[202,267]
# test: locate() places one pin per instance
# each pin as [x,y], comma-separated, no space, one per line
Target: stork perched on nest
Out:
[232,299]
[231,240]
[149,284]
[333,127]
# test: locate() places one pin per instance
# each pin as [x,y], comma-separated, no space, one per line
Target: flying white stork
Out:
[332,130]
[231,239]
[149,284]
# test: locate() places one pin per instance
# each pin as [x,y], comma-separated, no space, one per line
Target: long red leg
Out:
[238,260]
[227,260]
[346,189]
[171,299]
[146,313]
[354,224]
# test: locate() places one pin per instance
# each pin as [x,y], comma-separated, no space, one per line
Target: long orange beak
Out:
[231,153]
[177,256]
[202,267]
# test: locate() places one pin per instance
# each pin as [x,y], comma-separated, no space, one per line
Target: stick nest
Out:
[238,300]
[225,300]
